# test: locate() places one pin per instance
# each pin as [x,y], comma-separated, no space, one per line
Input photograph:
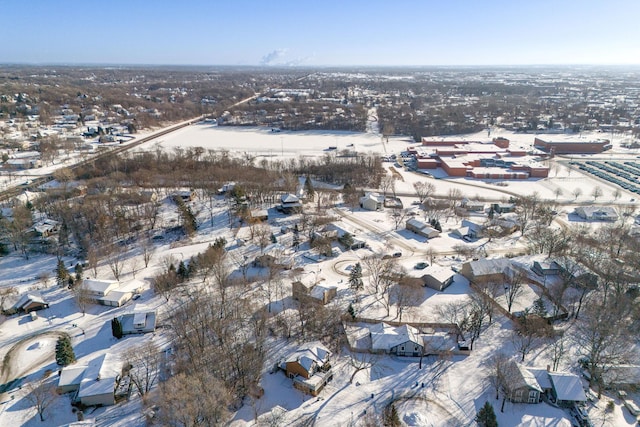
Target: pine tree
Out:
[116,328]
[539,308]
[62,274]
[182,272]
[391,417]
[351,311]
[486,416]
[355,278]
[64,351]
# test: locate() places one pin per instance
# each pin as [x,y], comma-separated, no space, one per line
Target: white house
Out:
[597,213]
[372,201]
[98,384]
[421,228]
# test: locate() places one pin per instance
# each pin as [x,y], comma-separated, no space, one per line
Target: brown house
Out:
[311,292]
[309,368]
[28,302]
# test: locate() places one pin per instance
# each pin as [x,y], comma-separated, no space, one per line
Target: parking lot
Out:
[626,175]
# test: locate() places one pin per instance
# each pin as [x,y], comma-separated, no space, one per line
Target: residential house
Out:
[496,270]
[111,292]
[546,268]
[421,228]
[438,277]
[46,227]
[274,255]
[597,213]
[313,292]
[24,303]
[141,321]
[259,214]
[309,368]
[472,206]
[372,201]
[566,389]
[501,208]
[523,386]
[69,378]
[290,203]
[99,381]
[339,232]
[401,340]
[470,230]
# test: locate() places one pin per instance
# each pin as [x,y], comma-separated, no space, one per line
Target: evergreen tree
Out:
[351,311]
[273,238]
[355,278]
[182,272]
[539,308]
[79,269]
[437,226]
[308,189]
[391,417]
[486,416]
[116,328]
[62,274]
[64,351]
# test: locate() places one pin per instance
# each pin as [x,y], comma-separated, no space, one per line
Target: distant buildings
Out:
[572,147]
[495,160]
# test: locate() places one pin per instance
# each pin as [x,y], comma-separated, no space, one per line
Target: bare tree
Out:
[514,289]
[203,400]
[406,294]
[116,260]
[82,295]
[41,394]
[397,215]
[147,249]
[577,192]
[361,361]
[424,190]
[601,338]
[558,350]
[596,192]
[144,362]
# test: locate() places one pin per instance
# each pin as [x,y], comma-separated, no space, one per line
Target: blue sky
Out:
[321,32]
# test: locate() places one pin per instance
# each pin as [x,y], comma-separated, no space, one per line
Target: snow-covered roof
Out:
[289,198]
[525,379]
[29,297]
[567,386]
[99,286]
[71,375]
[487,266]
[542,376]
[310,353]
[100,376]
[440,273]
[318,291]
[384,336]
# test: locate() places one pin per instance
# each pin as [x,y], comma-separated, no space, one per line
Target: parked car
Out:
[397,254]
[421,266]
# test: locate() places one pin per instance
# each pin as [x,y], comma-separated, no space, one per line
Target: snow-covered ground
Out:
[454,389]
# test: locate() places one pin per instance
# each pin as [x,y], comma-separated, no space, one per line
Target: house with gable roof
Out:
[402,340]
[309,368]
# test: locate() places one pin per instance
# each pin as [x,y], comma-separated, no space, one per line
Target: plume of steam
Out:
[273,57]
